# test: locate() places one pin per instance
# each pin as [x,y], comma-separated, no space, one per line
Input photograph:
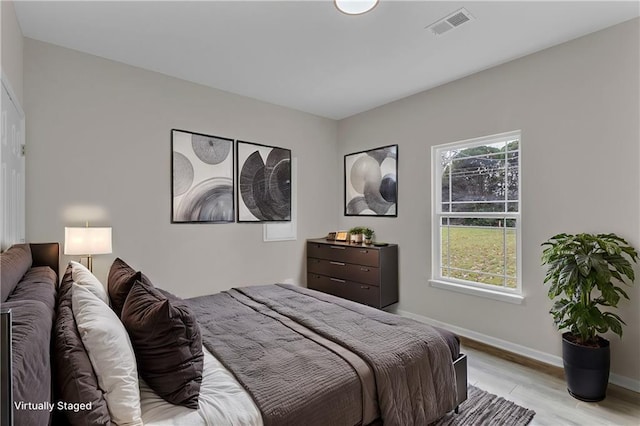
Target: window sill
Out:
[476,291]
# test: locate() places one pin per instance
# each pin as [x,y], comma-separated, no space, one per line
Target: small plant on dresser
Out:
[355,234]
[368,235]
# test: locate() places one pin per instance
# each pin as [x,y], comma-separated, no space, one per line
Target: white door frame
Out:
[18,228]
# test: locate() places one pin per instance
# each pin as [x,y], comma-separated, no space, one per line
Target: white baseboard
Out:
[622,381]
[625,382]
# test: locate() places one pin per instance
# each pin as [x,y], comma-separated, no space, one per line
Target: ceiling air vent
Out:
[450,22]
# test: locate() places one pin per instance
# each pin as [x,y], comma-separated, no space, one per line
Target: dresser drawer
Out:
[360,255]
[348,271]
[361,293]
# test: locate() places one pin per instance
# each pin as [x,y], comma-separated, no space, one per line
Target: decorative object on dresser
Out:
[331,236]
[360,234]
[264,183]
[202,177]
[342,236]
[368,233]
[355,234]
[370,182]
[362,273]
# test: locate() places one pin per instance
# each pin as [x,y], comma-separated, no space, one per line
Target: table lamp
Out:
[86,242]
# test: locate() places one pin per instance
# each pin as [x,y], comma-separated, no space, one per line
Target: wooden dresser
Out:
[363,273]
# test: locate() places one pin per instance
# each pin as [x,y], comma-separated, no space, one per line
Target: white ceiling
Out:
[305,54]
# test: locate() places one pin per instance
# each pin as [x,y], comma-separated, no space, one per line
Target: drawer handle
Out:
[365,287]
[338,280]
[337,263]
[364,251]
[365,269]
[338,247]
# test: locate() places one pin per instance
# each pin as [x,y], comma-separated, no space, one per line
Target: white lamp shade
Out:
[355,7]
[85,241]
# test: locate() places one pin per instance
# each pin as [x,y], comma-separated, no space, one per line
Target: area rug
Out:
[483,409]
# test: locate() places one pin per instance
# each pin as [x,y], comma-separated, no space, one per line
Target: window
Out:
[476,216]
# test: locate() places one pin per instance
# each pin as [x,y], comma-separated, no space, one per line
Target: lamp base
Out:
[89,262]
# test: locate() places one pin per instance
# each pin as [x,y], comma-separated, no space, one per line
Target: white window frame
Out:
[502,293]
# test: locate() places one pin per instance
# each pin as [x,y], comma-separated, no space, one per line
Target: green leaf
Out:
[615,274]
[614,323]
[610,295]
[568,274]
[631,252]
[583,263]
[622,292]
[609,247]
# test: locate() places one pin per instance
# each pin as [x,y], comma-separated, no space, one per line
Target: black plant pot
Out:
[586,369]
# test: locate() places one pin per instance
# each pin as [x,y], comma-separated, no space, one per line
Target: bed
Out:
[261,355]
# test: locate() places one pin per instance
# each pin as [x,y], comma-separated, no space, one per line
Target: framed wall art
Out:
[285,231]
[264,183]
[371,182]
[202,178]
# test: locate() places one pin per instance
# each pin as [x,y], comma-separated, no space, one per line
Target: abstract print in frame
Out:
[202,174]
[371,182]
[264,183]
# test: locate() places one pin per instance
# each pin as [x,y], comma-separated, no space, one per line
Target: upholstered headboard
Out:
[46,254]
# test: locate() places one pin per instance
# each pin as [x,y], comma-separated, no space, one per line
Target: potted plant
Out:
[584,271]
[355,234]
[368,235]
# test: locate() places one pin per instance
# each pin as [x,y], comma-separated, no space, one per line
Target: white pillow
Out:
[81,275]
[109,349]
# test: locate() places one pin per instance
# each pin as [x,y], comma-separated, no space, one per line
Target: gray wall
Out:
[577,105]
[12,47]
[99,149]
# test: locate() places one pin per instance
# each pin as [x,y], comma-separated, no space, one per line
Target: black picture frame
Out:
[263,174]
[371,182]
[202,178]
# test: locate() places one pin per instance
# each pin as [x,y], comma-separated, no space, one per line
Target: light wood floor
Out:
[547,395]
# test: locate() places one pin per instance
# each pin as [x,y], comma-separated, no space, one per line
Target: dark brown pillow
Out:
[76,381]
[119,282]
[167,343]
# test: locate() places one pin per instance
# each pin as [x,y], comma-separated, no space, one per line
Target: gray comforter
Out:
[294,380]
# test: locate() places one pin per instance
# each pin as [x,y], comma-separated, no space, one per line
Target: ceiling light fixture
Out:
[355,7]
